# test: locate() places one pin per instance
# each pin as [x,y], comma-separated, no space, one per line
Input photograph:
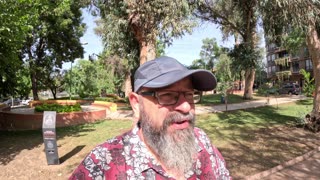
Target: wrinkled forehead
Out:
[182,85]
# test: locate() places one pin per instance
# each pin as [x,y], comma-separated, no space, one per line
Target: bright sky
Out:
[185,49]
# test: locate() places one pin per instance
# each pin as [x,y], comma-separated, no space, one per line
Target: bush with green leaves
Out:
[267,89]
[58,108]
[308,86]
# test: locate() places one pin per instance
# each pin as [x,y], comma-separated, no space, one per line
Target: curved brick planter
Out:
[27,121]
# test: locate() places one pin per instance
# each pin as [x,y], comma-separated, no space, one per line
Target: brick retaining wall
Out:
[18,121]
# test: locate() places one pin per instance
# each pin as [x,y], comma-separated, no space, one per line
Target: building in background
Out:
[284,67]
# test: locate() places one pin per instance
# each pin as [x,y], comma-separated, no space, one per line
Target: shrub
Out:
[58,108]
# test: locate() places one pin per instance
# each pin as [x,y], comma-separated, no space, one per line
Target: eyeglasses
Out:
[171,97]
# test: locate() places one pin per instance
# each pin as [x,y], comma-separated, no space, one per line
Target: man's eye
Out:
[167,95]
[189,94]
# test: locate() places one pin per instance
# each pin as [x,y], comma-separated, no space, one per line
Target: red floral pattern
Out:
[126,157]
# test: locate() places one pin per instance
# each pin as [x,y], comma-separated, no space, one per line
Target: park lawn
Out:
[255,140]
[214,99]
[251,140]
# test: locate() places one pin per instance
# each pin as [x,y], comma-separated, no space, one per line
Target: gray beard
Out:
[176,151]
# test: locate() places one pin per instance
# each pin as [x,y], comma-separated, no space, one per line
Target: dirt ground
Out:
[25,159]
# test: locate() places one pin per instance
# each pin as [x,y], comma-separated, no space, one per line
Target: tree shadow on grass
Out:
[304,102]
[266,148]
[254,140]
[13,142]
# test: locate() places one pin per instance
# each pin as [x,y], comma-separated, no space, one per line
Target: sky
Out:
[185,49]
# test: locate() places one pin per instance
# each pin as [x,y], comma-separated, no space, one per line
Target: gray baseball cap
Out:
[164,71]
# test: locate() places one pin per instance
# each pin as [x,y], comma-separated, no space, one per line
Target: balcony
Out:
[283,74]
[284,61]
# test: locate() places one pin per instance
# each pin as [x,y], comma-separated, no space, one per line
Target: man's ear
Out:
[134,102]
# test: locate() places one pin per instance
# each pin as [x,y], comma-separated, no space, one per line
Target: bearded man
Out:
[164,144]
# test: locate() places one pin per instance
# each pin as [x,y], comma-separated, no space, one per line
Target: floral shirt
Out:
[127,157]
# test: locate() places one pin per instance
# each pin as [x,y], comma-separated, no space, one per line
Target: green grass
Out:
[216,99]
[95,133]
[240,121]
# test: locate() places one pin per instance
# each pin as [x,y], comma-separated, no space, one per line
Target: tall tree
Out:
[282,16]
[130,29]
[54,80]
[54,39]
[144,22]
[197,64]
[209,52]
[238,18]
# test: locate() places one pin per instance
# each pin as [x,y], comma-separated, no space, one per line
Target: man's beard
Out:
[176,150]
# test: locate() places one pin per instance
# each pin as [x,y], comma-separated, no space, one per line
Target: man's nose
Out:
[182,105]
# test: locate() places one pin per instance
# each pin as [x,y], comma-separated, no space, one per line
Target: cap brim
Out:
[202,80]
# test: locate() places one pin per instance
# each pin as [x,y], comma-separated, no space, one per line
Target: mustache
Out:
[176,117]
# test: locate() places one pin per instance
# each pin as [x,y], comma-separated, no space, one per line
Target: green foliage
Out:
[160,48]
[266,89]
[23,87]
[55,39]
[16,19]
[210,51]
[224,87]
[244,57]
[308,86]
[58,108]
[283,16]
[85,79]
[198,64]
[294,40]
[223,69]
[118,69]
[240,20]
[224,75]
[126,26]
[261,74]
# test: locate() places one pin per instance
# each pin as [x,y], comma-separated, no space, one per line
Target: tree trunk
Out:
[127,85]
[54,93]
[143,52]
[250,37]
[34,84]
[249,79]
[314,50]
[147,51]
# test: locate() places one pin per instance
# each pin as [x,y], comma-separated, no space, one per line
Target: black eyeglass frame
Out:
[155,95]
